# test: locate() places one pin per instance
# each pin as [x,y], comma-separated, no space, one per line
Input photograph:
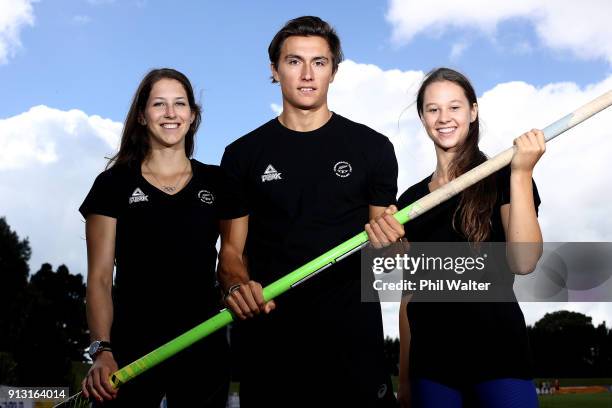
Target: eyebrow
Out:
[302,59]
[160,97]
[434,103]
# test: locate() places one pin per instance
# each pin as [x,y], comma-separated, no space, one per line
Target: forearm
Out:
[232,269]
[405,338]
[99,310]
[524,234]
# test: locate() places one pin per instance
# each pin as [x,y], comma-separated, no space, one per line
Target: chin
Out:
[448,146]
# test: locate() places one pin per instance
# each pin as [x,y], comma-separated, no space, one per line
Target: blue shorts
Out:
[498,393]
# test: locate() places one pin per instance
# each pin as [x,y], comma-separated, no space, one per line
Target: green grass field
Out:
[576,401]
[603,400]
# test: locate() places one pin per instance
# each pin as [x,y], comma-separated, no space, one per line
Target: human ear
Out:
[473,112]
[274,72]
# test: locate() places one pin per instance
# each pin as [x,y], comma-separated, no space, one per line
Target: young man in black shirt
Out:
[297,186]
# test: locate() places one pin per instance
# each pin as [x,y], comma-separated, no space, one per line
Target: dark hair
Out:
[306,26]
[134,146]
[477,202]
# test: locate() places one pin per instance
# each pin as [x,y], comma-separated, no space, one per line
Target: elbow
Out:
[99,281]
[523,258]
[523,269]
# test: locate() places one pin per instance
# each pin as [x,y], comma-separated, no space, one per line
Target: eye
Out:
[320,63]
[455,108]
[432,110]
[293,62]
[156,104]
[181,103]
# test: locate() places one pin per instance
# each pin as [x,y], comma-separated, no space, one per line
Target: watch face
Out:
[93,349]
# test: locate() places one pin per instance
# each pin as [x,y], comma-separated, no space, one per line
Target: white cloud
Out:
[14,15]
[276,108]
[572,176]
[581,27]
[575,196]
[457,50]
[48,161]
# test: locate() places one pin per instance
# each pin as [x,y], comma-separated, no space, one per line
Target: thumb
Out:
[270,306]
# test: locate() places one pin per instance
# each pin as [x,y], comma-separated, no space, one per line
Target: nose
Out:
[170,113]
[306,72]
[444,116]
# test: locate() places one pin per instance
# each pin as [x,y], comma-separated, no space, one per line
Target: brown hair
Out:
[134,145]
[477,202]
[306,26]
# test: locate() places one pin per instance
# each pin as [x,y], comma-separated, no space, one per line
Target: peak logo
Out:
[270,174]
[138,196]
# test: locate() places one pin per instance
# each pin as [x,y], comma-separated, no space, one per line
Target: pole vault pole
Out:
[307,271]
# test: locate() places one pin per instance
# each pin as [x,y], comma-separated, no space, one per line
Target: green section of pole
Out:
[169,349]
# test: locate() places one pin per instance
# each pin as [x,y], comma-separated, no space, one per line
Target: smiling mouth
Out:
[447,130]
[307,89]
[170,125]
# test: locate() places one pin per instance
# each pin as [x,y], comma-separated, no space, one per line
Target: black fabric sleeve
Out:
[503,185]
[233,194]
[102,198]
[382,187]
[408,197]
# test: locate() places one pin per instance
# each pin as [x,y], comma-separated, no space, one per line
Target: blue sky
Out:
[91,55]
[79,62]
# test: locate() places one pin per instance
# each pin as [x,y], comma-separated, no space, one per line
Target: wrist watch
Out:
[98,346]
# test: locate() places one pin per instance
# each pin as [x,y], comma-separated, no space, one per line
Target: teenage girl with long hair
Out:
[467,354]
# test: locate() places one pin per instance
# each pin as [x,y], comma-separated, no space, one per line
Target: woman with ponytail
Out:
[469,354]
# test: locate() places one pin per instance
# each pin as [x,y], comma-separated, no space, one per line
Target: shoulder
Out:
[253,137]
[503,176]
[502,182]
[374,146]
[105,196]
[115,174]
[414,192]
[360,130]
[200,169]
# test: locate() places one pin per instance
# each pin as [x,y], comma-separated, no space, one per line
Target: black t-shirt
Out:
[459,343]
[304,193]
[164,253]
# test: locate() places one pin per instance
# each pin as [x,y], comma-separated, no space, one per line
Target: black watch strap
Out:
[97,347]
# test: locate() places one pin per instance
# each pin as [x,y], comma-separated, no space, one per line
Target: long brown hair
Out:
[134,146]
[477,202]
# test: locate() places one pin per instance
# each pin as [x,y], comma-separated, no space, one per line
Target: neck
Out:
[444,159]
[166,160]
[304,120]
